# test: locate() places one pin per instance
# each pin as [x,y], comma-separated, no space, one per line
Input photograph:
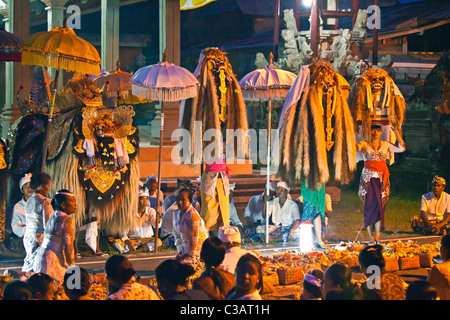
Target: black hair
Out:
[17,290]
[421,290]
[84,281]
[372,255]
[174,272]
[39,282]
[316,292]
[249,258]
[115,268]
[339,274]
[188,190]
[445,241]
[38,179]
[213,253]
[59,198]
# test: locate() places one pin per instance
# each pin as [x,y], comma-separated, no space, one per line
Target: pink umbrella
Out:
[163,82]
[267,84]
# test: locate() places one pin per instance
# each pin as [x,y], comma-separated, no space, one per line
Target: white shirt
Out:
[167,220]
[435,208]
[234,218]
[284,215]
[18,221]
[142,225]
[254,209]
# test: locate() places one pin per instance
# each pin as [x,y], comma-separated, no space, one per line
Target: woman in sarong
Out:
[57,253]
[37,212]
[374,187]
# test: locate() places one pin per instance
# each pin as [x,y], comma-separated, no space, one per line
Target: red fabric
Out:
[218,167]
[379,166]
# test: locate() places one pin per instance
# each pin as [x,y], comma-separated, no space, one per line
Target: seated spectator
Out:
[421,290]
[337,282]
[312,284]
[390,285]
[77,289]
[172,277]
[141,236]
[42,287]
[121,282]
[284,212]
[253,212]
[439,275]
[434,210]
[249,279]
[231,237]
[17,290]
[214,281]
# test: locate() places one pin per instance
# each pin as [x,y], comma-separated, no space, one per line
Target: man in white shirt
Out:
[18,221]
[283,211]
[231,236]
[434,210]
[140,237]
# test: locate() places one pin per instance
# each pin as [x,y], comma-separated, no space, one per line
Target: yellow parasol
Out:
[118,82]
[60,48]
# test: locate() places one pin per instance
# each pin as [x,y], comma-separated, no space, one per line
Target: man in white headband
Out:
[18,221]
[141,236]
[434,210]
[283,211]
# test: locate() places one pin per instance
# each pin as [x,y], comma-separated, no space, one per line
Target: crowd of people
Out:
[46,229]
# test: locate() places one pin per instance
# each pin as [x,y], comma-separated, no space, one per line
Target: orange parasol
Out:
[118,82]
[60,48]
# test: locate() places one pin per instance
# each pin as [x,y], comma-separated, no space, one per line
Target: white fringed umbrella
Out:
[267,84]
[163,82]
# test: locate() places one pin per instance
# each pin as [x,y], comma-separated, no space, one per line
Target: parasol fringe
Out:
[164,94]
[61,62]
[264,94]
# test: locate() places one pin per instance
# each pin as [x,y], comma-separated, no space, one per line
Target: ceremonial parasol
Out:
[10,46]
[118,82]
[60,48]
[267,84]
[163,82]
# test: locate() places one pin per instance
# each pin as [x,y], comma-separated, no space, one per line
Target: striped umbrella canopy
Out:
[163,82]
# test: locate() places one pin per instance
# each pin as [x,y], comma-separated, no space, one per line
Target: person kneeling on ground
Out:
[141,236]
[434,210]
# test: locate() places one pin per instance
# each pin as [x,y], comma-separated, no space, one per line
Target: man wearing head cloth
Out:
[283,211]
[18,221]
[140,237]
[434,210]
[231,236]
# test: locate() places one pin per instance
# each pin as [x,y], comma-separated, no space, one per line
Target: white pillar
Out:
[16,74]
[55,18]
[110,34]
